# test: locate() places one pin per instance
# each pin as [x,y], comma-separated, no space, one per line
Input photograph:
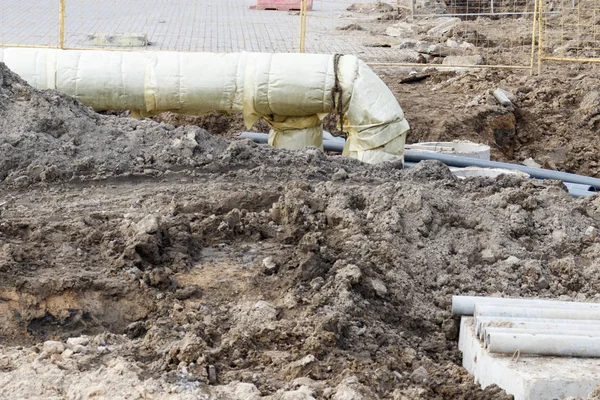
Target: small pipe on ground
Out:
[538,323]
[539,173]
[526,311]
[465,305]
[412,157]
[540,331]
[543,344]
[502,98]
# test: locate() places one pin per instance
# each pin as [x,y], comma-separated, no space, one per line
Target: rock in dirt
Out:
[301,367]
[351,389]
[530,162]
[53,347]
[444,25]
[378,6]
[463,60]
[149,224]
[339,175]
[303,393]
[269,266]
[78,341]
[350,27]
[419,375]
[212,374]
[401,29]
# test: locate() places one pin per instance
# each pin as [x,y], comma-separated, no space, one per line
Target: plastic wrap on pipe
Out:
[536,312]
[465,305]
[543,344]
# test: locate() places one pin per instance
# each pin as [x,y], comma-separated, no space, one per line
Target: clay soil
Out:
[140,259]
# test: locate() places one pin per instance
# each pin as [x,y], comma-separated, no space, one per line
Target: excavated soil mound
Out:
[175,264]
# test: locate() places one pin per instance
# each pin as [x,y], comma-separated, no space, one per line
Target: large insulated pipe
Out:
[546,344]
[465,305]
[292,92]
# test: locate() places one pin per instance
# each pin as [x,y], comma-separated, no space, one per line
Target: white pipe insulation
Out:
[292,92]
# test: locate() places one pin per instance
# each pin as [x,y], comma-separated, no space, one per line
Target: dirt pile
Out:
[555,120]
[254,273]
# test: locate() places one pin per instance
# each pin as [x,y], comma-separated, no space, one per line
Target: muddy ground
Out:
[143,260]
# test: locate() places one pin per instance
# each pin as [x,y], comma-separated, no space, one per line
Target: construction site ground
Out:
[165,259]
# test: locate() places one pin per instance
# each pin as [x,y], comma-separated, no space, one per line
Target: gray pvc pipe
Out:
[539,173]
[412,157]
[578,186]
[543,344]
[333,145]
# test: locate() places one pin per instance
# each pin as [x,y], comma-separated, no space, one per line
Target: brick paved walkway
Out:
[187,25]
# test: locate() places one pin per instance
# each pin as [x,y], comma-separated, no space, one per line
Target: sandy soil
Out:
[139,259]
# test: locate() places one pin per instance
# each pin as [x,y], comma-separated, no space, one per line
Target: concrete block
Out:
[118,40]
[463,60]
[527,377]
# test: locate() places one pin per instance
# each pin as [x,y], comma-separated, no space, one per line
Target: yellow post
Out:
[302,41]
[535,16]
[540,33]
[61,24]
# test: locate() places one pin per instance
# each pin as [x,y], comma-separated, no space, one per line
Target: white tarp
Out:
[292,92]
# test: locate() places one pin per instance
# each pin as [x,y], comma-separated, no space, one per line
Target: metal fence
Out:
[568,31]
[499,30]
[182,25]
[472,8]
[486,33]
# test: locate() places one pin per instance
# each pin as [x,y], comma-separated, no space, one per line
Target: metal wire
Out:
[565,32]
[572,34]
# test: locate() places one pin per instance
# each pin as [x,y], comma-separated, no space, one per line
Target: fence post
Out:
[540,33]
[302,40]
[535,16]
[61,24]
